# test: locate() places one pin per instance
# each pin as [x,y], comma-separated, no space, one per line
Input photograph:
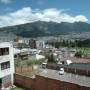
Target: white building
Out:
[40,44]
[6,65]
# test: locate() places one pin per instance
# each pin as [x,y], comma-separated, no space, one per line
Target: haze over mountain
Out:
[40,28]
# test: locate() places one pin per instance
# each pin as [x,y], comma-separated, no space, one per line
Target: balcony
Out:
[4,58]
[5,72]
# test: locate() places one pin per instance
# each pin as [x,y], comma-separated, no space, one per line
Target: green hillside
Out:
[40,28]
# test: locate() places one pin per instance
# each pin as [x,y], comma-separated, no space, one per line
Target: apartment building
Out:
[40,44]
[6,65]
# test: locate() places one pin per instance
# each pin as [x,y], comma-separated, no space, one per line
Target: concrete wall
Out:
[44,83]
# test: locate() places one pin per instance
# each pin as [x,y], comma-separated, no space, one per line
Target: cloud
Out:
[27,15]
[6,1]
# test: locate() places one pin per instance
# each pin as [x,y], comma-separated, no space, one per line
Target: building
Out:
[49,79]
[6,65]
[40,44]
[32,43]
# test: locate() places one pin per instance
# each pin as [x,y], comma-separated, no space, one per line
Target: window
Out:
[0,82]
[5,65]
[4,51]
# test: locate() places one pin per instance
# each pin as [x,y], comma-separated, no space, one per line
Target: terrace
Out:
[66,77]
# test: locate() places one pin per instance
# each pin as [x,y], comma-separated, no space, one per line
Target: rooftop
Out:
[81,66]
[67,77]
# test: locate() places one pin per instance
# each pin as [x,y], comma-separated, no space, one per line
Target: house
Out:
[6,65]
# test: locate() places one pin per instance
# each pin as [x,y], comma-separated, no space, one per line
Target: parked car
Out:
[61,71]
[44,65]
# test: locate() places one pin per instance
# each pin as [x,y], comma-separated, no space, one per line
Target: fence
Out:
[69,69]
[23,69]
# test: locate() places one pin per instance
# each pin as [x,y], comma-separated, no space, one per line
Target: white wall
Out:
[6,58]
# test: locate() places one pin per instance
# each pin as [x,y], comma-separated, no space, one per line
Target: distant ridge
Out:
[41,28]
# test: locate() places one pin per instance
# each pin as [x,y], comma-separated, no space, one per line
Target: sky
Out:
[14,12]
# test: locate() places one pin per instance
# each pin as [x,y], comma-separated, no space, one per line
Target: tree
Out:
[78,54]
[57,45]
[51,58]
[17,62]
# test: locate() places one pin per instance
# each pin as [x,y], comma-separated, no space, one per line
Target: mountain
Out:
[41,28]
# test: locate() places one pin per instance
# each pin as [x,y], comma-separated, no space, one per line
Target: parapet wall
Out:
[44,83]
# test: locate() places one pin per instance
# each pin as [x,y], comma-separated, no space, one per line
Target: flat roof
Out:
[66,77]
[81,66]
